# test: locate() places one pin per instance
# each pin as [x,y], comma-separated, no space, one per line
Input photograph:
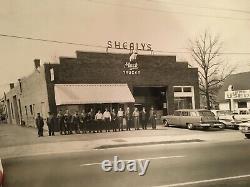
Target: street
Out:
[169,164]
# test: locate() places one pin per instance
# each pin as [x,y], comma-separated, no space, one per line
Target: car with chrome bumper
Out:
[245,129]
[228,118]
[193,118]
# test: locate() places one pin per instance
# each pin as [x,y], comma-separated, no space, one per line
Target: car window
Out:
[177,113]
[193,114]
[185,113]
[206,113]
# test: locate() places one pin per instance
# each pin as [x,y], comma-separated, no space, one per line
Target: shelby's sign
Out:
[129,46]
[237,94]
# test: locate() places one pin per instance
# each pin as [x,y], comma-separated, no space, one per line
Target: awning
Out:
[92,93]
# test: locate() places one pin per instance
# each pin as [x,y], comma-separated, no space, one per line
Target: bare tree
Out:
[205,51]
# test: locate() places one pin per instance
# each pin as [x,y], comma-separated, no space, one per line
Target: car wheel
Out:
[223,126]
[190,126]
[247,136]
[206,128]
[165,123]
[236,127]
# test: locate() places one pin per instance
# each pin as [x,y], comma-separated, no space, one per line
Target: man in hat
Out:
[39,125]
[51,124]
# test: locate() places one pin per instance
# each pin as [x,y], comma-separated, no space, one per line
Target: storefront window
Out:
[183,103]
[242,104]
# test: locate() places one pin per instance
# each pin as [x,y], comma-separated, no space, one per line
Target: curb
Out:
[1,173]
[147,143]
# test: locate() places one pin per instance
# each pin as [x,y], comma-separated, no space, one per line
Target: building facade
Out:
[152,80]
[235,94]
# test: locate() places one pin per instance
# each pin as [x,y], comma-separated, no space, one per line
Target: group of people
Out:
[96,122]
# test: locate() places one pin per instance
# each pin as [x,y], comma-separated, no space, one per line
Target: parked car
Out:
[193,118]
[227,118]
[245,129]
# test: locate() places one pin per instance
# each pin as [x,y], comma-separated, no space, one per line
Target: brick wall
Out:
[96,68]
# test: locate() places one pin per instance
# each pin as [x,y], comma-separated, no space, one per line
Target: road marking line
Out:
[153,158]
[204,181]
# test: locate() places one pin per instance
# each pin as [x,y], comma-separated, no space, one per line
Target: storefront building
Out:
[98,80]
[235,94]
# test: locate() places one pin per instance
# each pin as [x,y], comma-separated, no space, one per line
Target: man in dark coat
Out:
[51,124]
[144,118]
[39,125]
[83,118]
[152,117]
[60,120]
[91,121]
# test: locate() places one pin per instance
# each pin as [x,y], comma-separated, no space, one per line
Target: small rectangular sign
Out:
[237,94]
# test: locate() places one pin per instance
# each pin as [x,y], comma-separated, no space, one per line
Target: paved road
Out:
[197,163]
[13,135]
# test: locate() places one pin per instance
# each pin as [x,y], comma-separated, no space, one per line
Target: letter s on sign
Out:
[149,47]
[109,44]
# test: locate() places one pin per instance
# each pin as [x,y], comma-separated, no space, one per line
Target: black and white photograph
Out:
[113,93]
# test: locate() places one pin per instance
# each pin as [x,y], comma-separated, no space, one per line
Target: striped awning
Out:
[92,93]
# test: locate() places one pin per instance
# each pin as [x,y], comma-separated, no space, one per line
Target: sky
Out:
[167,25]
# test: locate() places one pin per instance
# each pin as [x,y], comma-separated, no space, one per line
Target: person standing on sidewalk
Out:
[39,125]
[120,119]
[99,121]
[107,119]
[60,122]
[152,117]
[114,120]
[91,121]
[76,122]
[128,117]
[51,124]
[83,127]
[144,118]
[67,121]
[136,118]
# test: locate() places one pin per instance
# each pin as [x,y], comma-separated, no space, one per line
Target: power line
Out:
[51,41]
[104,47]
[169,12]
[205,7]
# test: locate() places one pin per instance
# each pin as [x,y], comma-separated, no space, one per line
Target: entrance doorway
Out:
[155,96]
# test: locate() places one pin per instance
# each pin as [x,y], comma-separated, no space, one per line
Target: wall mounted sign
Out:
[237,94]
[131,67]
[129,46]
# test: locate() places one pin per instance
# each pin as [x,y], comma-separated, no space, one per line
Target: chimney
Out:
[12,85]
[37,63]
[20,85]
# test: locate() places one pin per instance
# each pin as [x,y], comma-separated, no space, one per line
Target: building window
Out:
[183,103]
[31,110]
[34,109]
[187,89]
[177,89]
[52,75]
[26,111]
[242,104]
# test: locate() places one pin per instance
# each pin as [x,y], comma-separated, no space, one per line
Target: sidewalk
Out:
[88,142]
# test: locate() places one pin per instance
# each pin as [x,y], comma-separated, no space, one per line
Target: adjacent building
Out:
[98,80]
[235,93]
